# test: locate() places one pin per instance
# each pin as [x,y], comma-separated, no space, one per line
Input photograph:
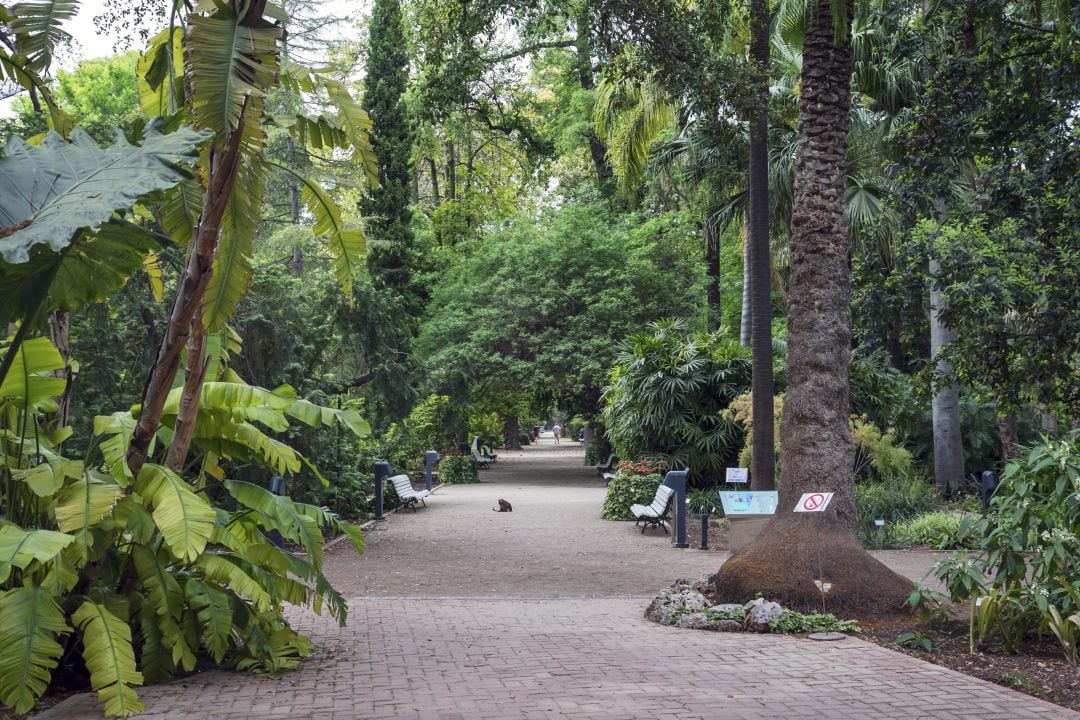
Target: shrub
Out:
[1029,530]
[597,451]
[458,470]
[524,439]
[667,395]
[941,530]
[624,491]
[893,500]
[791,621]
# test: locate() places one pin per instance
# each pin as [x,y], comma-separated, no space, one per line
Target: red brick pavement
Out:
[470,659]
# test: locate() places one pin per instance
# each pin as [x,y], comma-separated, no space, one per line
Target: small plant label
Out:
[737,475]
[813,502]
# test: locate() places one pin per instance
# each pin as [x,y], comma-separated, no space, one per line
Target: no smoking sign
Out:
[814,502]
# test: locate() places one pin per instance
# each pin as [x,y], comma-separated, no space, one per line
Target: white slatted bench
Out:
[607,465]
[409,495]
[483,462]
[655,513]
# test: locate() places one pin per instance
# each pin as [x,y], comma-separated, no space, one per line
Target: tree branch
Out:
[529,49]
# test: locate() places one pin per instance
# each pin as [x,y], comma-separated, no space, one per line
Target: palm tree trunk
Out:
[744,318]
[797,551]
[945,406]
[712,271]
[763,462]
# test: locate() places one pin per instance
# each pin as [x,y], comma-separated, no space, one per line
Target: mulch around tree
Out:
[1039,669]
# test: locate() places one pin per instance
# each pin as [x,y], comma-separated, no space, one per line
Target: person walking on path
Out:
[556,430]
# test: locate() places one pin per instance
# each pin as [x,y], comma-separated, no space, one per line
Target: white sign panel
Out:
[737,475]
[814,502]
[749,503]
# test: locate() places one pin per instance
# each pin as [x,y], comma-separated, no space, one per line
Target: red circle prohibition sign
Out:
[813,502]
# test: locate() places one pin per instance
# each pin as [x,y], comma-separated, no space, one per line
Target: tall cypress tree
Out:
[387,207]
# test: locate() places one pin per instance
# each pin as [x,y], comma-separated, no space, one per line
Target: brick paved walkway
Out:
[567,657]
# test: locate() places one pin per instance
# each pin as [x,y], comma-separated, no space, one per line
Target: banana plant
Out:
[143,571]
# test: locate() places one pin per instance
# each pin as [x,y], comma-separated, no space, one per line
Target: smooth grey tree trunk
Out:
[945,407]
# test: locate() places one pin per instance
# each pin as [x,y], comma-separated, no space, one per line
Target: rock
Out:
[694,621]
[725,626]
[672,600]
[759,613]
[727,607]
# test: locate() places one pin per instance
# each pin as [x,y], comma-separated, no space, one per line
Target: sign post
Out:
[818,502]
[382,471]
[676,480]
[430,458]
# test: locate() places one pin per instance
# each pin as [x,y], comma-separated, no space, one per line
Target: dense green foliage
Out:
[458,470]
[626,489]
[666,400]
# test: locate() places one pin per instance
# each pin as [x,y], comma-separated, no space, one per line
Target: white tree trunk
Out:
[948,443]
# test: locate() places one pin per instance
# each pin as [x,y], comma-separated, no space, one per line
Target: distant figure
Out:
[556,430]
[535,432]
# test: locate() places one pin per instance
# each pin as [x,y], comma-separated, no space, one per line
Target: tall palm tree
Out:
[798,553]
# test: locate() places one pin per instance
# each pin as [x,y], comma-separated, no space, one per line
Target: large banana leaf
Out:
[165,596]
[180,211]
[215,616]
[46,478]
[228,65]
[232,262]
[283,515]
[110,658]
[161,74]
[186,520]
[29,384]
[50,191]
[38,28]
[82,506]
[115,432]
[19,548]
[30,621]
[221,569]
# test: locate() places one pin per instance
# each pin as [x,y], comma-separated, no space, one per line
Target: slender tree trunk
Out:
[60,334]
[747,281]
[194,375]
[224,167]
[434,170]
[597,149]
[712,270]
[451,171]
[1008,440]
[763,463]
[945,406]
[799,551]
[512,432]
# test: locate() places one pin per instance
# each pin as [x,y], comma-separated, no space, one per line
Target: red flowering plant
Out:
[642,467]
[454,452]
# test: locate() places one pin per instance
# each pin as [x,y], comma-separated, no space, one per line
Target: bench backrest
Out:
[403,486]
[662,500]
[609,462]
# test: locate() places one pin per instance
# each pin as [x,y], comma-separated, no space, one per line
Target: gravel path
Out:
[553,544]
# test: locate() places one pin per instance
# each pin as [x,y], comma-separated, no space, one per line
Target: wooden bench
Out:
[655,513]
[408,495]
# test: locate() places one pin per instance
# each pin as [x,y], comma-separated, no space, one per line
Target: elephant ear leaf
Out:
[30,621]
[50,191]
[110,658]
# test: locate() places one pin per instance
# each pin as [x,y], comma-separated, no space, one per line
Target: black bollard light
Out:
[277,487]
[989,482]
[382,471]
[704,531]
[676,480]
[430,458]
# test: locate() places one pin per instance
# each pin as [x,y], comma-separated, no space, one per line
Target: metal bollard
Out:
[382,471]
[676,480]
[989,483]
[704,532]
[430,458]
[277,487]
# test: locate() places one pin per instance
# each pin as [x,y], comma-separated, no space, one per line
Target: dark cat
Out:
[504,506]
